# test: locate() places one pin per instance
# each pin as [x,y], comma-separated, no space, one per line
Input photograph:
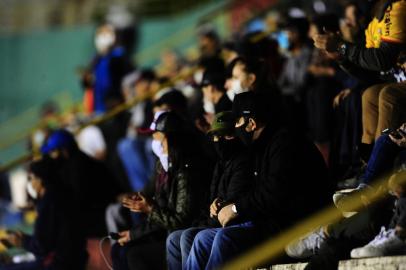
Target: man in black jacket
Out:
[290,183]
[231,179]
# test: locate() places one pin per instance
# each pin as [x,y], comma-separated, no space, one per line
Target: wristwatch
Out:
[234,209]
[342,49]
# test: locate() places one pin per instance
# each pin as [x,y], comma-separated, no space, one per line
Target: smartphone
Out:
[395,133]
[114,235]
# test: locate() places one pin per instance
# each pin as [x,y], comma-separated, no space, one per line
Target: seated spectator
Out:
[57,241]
[335,242]
[180,191]
[382,104]
[282,160]
[388,148]
[90,182]
[391,240]
[322,83]
[231,178]
[292,78]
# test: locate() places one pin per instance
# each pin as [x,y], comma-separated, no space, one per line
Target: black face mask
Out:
[226,148]
[245,137]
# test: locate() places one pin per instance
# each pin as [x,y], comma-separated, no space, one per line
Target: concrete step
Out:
[293,266]
[378,263]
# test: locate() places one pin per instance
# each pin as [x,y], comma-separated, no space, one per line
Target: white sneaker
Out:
[385,243]
[307,245]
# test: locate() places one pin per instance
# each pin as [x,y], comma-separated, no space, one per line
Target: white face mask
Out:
[198,77]
[235,89]
[31,191]
[158,150]
[103,42]
[208,106]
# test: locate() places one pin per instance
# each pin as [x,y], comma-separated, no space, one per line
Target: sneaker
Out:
[340,198]
[307,245]
[385,243]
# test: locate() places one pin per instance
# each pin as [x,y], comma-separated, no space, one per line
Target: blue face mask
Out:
[158,150]
[282,39]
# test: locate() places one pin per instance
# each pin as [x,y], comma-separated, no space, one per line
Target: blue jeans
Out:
[213,247]
[178,246]
[382,159]
[138,160]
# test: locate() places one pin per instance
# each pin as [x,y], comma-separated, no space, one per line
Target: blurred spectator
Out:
[170,64]
[353,24]
[88,181]
[107,69]
[209,43]
[229,52]
[57,241]
[292,78]
[320,87]
[49,121]
[134,150]
[114,129]
[214,98]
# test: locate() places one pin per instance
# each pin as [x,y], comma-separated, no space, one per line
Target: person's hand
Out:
[401,140]
[226,214]
[214,207]
[340,97]
[137,203]
[124,238]
[329,42]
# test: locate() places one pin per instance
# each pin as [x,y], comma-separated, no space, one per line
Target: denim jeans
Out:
[178,246]
[382,159]
[213,247]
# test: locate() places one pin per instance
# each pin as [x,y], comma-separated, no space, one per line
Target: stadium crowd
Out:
[259,134]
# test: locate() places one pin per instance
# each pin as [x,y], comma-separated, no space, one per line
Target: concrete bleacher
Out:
[378,263]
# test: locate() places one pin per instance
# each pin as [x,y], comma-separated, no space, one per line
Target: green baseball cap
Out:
[223,124]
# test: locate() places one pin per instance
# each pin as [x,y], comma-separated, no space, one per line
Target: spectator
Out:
[322,83]
[390,241]
[382,104]
[89,181]
[134,150]
[107,69]
[57,241]
[215,99]
[230,180]
[181,188]
[281,161]
[292,78]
